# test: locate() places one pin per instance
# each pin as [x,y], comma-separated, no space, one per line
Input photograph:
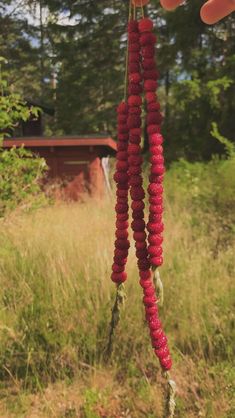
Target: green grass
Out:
[56,296]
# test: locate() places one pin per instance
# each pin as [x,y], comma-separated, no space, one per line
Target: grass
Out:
[56,296]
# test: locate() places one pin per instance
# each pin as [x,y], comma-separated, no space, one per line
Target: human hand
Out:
[211,12]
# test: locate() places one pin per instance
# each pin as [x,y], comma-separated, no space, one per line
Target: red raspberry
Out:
[138,214]
[155,228]
[122,244]
[150,97]
[155,200]
[133,121]
[150,85]
[122,155]
[140,245]
[133,37]
[138,225]
[122,216]
[143,264]
[145,284]
[156,149]
[155,178]
[138,205]
[135,78]
[121,119]
[149,301]
[134,149]
[135,110]
[145,275]
[117,268]
[154,251]
[137,193]
[157,209]
[123,137]
[121,234]
[156,334]
[155,189]
[157,159]
[150,75]
[162,342]
[134,100]
[120,177]
[147,39]
[166,363]
[121,208]
[136,180]
[154,118]
[134,57]
[135,140]
[133,26]
[135,170]
[122,165]
[149,291]
[141,254]
[148,51]
[135,160]
[140,236]
[134,89]
[156,261]
[120,253]
[162,352]
[133,67]
[155,217]
[153,107]
[122,224]
[122,193]
[119,277]
[148,64]
[123,129]
[122,200]
[119,260]
[145,25]
[156,139]
[135,131]
[158,169]
[155,324]
[135,47]
[152,310]
[152,129]
[122,108]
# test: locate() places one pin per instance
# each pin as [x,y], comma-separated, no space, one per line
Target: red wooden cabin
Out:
[77,163]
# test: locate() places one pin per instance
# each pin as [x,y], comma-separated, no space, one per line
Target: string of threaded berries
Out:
[122,243]
[159,340]
[153,120]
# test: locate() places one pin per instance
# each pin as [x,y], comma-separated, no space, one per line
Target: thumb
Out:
[215,10]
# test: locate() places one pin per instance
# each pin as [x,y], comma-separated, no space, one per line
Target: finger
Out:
[170,4]
[214,10]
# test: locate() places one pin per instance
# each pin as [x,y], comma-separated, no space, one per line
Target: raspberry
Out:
[152,129]
[135,160]
[133,26]
[154,118]
[157,159]
[135,131]
[155,200]
[161,342]
[134,89]
[139,236]
[162,352]
[136,180]
[156,334]
[166,363]
[117,268]
[138,225]
[145,283]
[150,75]
[133,67]
[133,37]
[150,97]
[156,149]
[133,121]
[158,169]
[120,177]
[122,108]
[122,216]
[134,149]
[135,110]
[137,193]
[155,228]
[119,277]
[154,251]
[150,85]
[122,155]
[145,25]
[155,324]
[135,78]
[122,165]
[122,138]
[149,291]
[148,51]
[149,301]
[140,245]
[119,260]
[135,47]
[155,189]
[121,234]
[148,64]
[156,261]
[121,208]
[156,139]
[122,244]
[123,129]
[120,253]
[143,264]
[141,254]
[147,39]
[134,57]
[155,178]
[152,310]
[122,193]
[138,214]
[137,205]
[155,217]
[122,224]
[135,170]
[153,107]
[121,119]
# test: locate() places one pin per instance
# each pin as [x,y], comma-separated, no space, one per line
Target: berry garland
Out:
[142,78]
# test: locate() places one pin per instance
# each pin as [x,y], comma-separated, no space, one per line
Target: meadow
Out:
[56,298]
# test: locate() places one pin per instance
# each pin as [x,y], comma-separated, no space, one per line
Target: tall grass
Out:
[56,293]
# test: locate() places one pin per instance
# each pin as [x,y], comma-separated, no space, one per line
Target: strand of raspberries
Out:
[142,75]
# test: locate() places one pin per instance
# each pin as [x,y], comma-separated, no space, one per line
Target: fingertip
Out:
[170,4]
[214,10]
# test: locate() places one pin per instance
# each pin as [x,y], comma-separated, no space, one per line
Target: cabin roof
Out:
[62,141]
